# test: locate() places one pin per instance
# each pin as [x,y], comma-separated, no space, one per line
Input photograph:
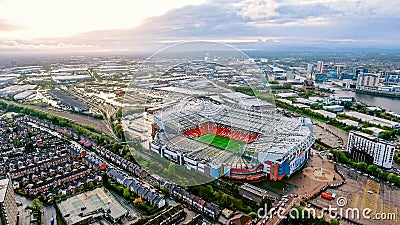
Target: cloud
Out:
[6,25]
[258,9]
[250,25]
[23,45]
[369,8]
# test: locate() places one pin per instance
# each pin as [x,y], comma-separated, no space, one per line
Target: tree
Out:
[116,147]
[90,186]
[362,166]
[171,169]
[126,193]
[29,147]
[347,105]
[334,222]
[165,190]
[372,169]
[392,178]
[379,172]
[106,182]
[253,215]
[36,205]
[387,135]
[138,201]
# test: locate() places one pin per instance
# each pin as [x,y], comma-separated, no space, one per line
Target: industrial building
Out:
[24,95]
[13,90]
[367,81]
[70,78]
[333,108]
[68,101]
[252,192]
[5,80]
[373,119]
[326,114]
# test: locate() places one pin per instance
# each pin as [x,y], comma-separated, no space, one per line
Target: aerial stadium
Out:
[240,138]
[209,108]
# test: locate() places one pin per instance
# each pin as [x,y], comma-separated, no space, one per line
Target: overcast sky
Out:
[130,25]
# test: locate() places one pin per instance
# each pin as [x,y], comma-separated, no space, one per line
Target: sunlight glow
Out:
[55,18]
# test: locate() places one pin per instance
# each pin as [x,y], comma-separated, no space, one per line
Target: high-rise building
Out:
[338,71]
[8,205]
[310,68]
[363,147]
[320,66]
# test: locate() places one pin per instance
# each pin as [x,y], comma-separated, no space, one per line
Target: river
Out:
[390,104]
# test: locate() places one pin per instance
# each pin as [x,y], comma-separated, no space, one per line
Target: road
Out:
[107,110]
[278,218]
[330,135]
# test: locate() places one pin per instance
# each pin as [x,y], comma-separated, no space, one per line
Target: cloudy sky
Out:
[130,25]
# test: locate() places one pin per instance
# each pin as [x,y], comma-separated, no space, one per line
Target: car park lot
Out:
[362,191]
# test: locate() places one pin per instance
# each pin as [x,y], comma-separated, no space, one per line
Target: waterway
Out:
[390,104]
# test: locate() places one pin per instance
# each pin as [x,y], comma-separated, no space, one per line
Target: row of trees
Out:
[253,92]
[397,157]
[223,200]
[373,170]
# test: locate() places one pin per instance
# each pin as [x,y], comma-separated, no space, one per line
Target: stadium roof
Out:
[279,137]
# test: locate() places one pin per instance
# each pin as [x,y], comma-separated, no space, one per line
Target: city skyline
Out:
[122,26]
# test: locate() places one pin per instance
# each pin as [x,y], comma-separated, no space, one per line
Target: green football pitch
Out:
[222,142]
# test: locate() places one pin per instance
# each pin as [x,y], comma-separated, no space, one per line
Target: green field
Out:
[220,141]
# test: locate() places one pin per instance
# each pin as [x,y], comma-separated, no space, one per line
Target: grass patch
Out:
[222,142]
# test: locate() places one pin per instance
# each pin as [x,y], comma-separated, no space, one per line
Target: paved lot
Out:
[316,174]
[48,211]
[362,192]
[330,135]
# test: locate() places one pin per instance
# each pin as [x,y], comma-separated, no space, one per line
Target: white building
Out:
[349,122]
[320,66]
[363,147]
[326,114]
[333,108]
[373,119]
[70,78]
[287,95]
